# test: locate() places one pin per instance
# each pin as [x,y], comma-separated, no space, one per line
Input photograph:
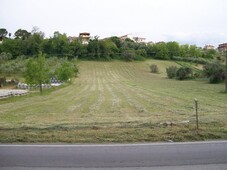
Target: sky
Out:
[198,22]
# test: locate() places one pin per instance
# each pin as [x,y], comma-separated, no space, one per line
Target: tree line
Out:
[25,43]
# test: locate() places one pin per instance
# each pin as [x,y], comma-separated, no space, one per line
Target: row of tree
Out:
[215,71]
[38,72]
[31,43]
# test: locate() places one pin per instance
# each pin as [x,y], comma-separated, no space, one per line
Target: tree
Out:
[65,72]
[184,73]
[194,51]
[214,71]
[107,49]
[75,48]
[47,46]
[93,49]
[141,54]
[173,49]
[36,71]
[16,47]
[10,67]
[117,41]
[35,43]
[2,81]
[22,34]
[210,53]
[184,50]
[3,32]
[128,44]
[150,50]
[4,57]
[128,55]
[161,51]
[60,44]
[171,71]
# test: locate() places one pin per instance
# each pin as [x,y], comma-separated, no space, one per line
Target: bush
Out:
[214,71]
[171,71]
[184,73]
[139,58]
[128,55]
[12,67]
[2,81]
[65,72]
[154,68]
[5,56]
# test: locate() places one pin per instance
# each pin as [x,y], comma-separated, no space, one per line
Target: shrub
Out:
[214,71]
[128,55]
[12,67]
[65,72]
[2,81]
[171,71]
[184,73]
[154,68]
[5,56]
[139,58]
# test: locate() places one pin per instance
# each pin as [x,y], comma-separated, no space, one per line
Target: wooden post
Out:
[196,111]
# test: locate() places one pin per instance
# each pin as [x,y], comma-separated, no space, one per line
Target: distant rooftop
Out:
[85,33]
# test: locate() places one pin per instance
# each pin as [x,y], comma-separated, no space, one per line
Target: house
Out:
[139,39]
[135,39]
[127,36]
[222,47]
[208,47]
[84,37]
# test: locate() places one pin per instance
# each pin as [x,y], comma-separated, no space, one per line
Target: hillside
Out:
[117,102]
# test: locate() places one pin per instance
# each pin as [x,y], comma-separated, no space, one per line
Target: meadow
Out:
[117,102]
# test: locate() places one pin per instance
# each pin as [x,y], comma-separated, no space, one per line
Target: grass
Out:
[117,102]
[194,67]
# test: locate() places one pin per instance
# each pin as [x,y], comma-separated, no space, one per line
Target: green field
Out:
[117,102]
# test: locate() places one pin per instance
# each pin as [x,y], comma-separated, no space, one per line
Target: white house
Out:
[84,37]
[135,39]
[208,47]
[124,37]
[139,39]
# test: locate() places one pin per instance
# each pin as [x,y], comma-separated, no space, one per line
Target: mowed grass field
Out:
[117,102]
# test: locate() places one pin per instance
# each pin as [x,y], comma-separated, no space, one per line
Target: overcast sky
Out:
[197,22]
